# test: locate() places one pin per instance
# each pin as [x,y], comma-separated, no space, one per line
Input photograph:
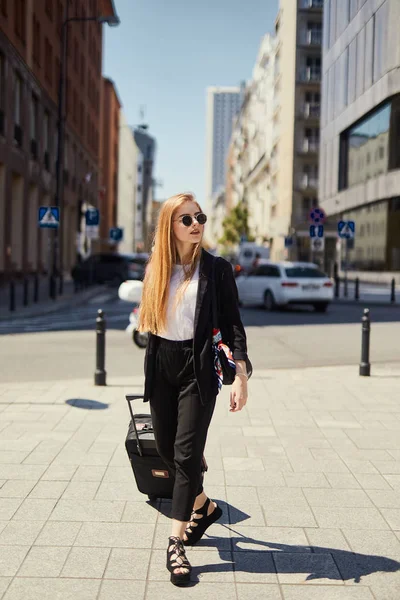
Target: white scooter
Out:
[131,291]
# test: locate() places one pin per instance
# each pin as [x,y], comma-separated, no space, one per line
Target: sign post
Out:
[347,232]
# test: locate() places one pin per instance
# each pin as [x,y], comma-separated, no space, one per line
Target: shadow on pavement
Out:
[316,562]
[87,404]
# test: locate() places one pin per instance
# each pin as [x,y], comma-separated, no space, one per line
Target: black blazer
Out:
[229,322]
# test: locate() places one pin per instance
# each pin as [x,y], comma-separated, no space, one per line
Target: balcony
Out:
[309,146]
[310,75]
[310,110]
[311,37]
[312,4]
[308,181]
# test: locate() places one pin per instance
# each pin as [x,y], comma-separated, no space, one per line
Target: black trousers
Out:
[180,422]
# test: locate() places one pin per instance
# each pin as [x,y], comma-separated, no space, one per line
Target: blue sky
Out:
[164,54]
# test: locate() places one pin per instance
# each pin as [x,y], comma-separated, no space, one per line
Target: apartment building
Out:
[360,128]
[146,162]
[30,49]
[248,160]
[296,113]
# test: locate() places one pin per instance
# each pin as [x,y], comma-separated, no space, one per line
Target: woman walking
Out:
[181,382]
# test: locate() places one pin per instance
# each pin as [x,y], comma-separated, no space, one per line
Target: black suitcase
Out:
[150,471]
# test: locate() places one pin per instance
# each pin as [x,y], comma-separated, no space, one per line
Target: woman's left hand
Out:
[238,397]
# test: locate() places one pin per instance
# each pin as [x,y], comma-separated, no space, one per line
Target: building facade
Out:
[223,104]
[109,159]
[30,56]
[360,158]
[295,137]
[127,185]
[147,149]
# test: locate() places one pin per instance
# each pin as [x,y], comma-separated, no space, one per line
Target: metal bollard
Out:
[52,287]
[100,373]
[337,286]
[25,291]
[61,285]
[12,295]
[345,286]
[365,366]
[393,291]
[36,287]
[357,289]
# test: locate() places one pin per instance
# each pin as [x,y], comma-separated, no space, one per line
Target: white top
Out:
[180,315]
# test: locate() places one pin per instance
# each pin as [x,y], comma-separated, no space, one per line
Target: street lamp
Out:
[112,21]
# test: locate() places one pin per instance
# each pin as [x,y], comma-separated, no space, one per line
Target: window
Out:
[20,19]
[4,11]
[17,99]
[304,272]
[48,51]
[49,9]
[36,41]
[46,130]
[351,80]
[369,53]
[332,23]
[380,41]
[353,8]
[2,80]
[34,117]
[360,63]
[267,271]
[342,16]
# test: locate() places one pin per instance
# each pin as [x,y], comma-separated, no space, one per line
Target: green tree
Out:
[235,225]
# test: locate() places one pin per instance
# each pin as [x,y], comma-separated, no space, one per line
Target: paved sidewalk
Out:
[308,476]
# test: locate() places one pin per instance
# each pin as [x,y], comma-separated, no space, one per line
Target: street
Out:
[62,345]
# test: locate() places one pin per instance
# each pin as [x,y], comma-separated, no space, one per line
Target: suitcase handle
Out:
[130,398]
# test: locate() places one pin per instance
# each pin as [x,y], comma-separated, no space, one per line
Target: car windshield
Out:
[304,272]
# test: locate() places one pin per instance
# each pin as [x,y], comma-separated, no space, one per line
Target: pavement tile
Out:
[35,509]
[31,588]
[59,472]
[20,533]
[254,478]
[112,589]
[44,561]
[385,498]
[4,583]
[84,490]
[360,466]
[118,474]
[11,558]
[346,481]
[327,540]
[337,498]
[125,563]
[115,535]
[289,516]
[87,510]
[56,533]
[384,543]
[123,491]
[89,473]
[281,497]
[288,539]
[306,568]
[254,567]
[48,489]
[388,467]
[325,592]
[139,512]
[372,481]
[17,488]
[306,480]
[243,464]
[349,518]
[242,495]
[8,507]
[392,516]
[321,465]
[13,456]
[30,472]
[251,515]
[205,591]
[250,591]
[86,562]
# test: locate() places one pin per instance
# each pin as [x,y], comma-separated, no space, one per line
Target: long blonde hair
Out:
[153,307]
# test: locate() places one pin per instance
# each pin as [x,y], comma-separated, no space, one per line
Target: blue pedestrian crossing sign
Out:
[116,234]
[92,217]
[346,229]
[49,216]
[316,231]
[289,241]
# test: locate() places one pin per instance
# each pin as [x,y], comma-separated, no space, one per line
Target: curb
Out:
[72,300]
[366,303]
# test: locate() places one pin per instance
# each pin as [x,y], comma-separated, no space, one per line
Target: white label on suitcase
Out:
[156,473]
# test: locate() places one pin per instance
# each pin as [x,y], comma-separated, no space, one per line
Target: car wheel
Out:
[321,307]
[140,339]
[269,300]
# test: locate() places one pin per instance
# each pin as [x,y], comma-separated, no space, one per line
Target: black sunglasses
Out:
[187,220]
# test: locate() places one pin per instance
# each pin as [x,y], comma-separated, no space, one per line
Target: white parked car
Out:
[274,284]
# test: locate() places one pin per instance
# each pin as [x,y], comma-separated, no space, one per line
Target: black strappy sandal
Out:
[176,559]
[195,532]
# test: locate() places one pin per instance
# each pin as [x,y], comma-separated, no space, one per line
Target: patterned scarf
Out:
[218,346]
